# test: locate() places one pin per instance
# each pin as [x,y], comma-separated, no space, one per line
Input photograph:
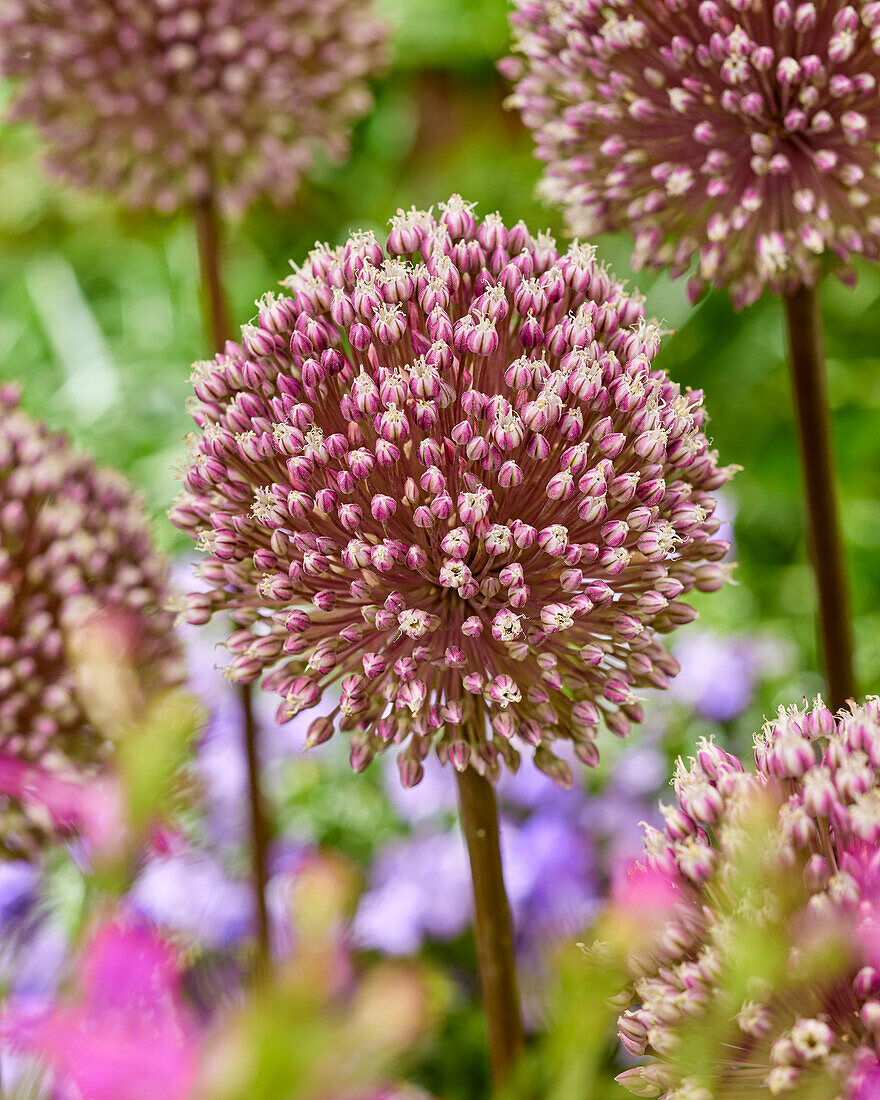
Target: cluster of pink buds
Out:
[165,101]
[74,544]
[736,139]
[812,1022]
[447,478]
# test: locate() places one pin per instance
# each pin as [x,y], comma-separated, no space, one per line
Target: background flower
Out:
[165,102]
[718,674]
[76,567]
[758,911]
[738,139]
[189,893]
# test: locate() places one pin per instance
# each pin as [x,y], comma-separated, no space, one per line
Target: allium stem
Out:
[219,328]
[493,929]
[807,362]
[217,323]
[259,831]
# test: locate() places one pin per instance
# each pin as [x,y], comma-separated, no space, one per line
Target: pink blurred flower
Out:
[642,890]
[127,1035]
[644,900]
[93,809]
[865,1082]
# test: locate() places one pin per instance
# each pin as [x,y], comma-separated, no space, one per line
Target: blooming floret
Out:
[736,139]
[447,478]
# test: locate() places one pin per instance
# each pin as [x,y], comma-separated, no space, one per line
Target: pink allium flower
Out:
[734,138]
[165,101]
[447,478]
[815,1013]
[74,547]
[128,1034]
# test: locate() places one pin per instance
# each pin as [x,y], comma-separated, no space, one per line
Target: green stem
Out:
[492,926]
[219,329]
[807,364]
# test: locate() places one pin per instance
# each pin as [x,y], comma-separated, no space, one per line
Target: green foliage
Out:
[575,1057]
[453,1063]
[317,1030]
[322,799]
[149,757]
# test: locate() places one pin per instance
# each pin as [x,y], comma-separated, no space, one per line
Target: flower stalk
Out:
[216,309]
[259,831]
[218,328]
[807,366]
[493,929]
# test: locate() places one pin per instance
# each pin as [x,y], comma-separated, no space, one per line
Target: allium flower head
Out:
[164,101]
[74,545]
[805,918]
[448,478]
[734,138]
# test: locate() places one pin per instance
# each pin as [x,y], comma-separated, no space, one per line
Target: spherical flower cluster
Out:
[739,134]
[164,102]
[817,788]
[447,477]
[74,549]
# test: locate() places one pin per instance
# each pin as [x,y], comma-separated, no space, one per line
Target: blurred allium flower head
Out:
[734,138]
[812,902]
[166,101]
[447,477]
[75,553]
